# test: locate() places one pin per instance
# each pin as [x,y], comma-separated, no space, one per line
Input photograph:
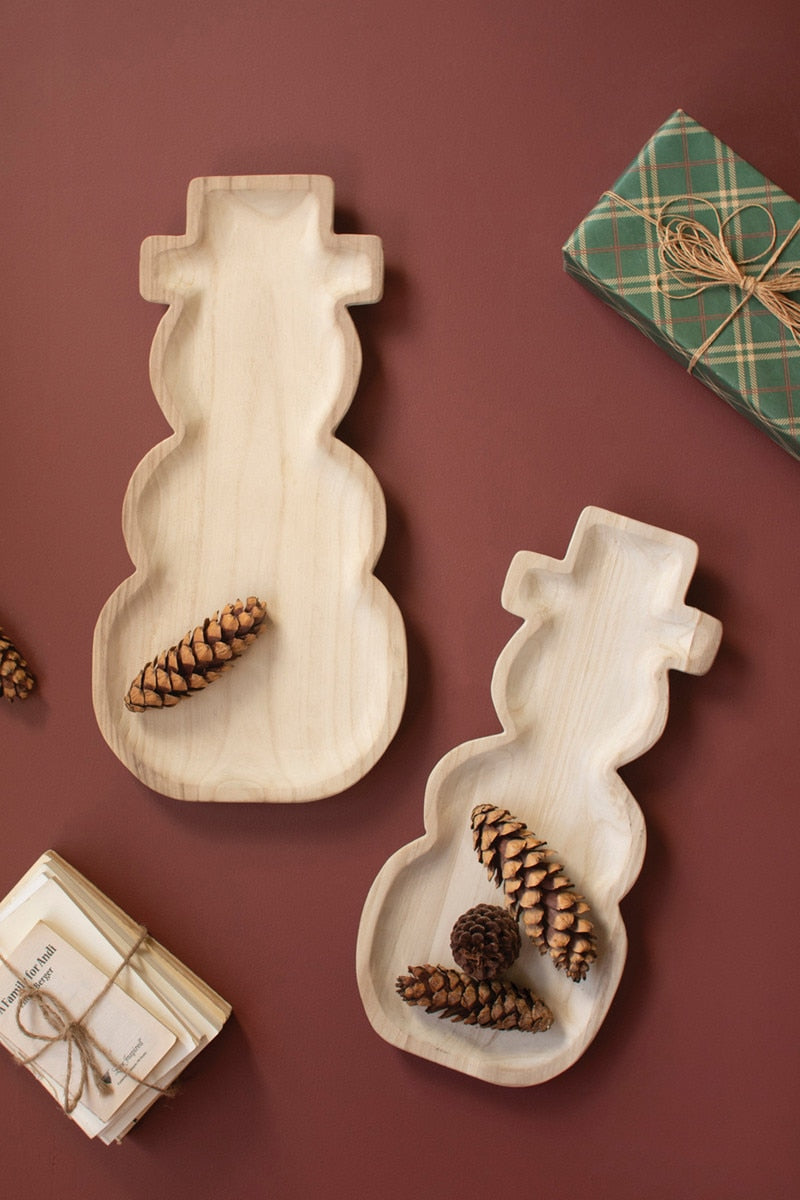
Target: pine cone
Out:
[554,916]
[456,996]
[485,941]
[16,679]
[199,658]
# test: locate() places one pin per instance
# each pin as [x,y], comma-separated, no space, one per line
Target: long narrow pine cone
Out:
[485,941]
[490,1003]
[199,658]
[554,916]
[16,678]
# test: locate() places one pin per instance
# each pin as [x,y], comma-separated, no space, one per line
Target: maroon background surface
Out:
[497,400]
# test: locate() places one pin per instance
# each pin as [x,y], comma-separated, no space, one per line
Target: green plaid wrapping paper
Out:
[754,362]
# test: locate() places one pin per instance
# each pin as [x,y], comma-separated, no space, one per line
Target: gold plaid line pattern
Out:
[730,330]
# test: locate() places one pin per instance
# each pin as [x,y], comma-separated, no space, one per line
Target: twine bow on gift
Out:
[80,1043]
[696,258]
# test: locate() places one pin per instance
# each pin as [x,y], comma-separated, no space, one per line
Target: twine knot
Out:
[694,258]
[83,1050]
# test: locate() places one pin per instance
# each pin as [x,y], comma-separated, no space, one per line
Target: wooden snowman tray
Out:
[254,364]
[580,690]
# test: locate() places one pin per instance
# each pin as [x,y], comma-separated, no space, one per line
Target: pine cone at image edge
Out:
[16,678]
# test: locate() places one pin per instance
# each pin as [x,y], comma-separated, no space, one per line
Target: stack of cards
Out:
[102,1014]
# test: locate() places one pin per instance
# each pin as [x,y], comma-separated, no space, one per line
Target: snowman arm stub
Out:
[171,266]
[538,585]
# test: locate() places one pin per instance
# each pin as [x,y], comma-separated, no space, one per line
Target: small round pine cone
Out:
[485,941]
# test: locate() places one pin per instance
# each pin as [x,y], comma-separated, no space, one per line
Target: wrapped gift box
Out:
[702,253]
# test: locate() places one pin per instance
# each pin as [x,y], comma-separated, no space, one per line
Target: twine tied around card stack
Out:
[81,1044]
[697,258]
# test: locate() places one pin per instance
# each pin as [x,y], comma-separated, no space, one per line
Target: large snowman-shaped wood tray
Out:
[580,690]
[254,364]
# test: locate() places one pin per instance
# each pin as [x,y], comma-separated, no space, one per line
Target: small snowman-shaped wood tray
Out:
[580,690]
[254,364]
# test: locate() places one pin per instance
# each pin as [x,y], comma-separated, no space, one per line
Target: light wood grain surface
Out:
[580,690]
[254,364]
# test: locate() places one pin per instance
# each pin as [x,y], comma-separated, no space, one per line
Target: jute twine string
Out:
[697,258]
[80,1042]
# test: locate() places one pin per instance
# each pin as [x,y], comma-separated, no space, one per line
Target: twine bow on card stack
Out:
[83,1049]
[79,1042]
[696,258]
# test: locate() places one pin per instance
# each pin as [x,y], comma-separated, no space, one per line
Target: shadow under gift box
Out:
[702,252]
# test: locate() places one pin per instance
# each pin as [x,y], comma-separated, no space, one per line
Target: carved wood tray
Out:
[580,690]
[254,364]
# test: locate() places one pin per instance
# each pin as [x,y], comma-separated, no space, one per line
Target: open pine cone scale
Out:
[199,658]
[537,890]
